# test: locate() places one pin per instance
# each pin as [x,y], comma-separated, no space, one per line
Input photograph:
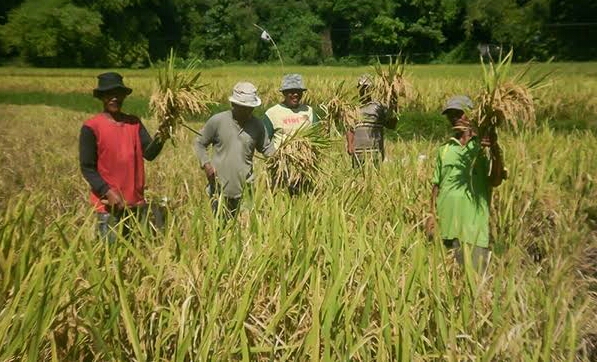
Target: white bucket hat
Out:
[245,94]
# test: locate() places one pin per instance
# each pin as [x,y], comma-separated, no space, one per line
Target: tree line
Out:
[134,33]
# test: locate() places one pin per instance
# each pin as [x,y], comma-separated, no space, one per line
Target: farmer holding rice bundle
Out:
[283,122]
[285,118]
[462,183]
[112,146]
[235,134]
[365,140]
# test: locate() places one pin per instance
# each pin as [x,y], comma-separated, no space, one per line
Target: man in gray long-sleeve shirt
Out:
[234,134]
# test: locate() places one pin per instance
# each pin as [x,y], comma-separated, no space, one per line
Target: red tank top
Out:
[119,158]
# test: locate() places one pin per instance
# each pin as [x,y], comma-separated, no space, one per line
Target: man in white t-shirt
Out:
[285,118]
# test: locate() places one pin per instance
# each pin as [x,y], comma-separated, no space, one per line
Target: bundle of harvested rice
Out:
[506,100]
[178,94]
[341,111]
[390,84]
[296,163]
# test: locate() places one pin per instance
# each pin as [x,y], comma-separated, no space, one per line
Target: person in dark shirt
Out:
[112,149]
[365,141]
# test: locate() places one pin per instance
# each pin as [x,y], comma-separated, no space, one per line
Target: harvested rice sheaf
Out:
[390,84]
[506,101]
[297,161]
[178,95]
[341,111]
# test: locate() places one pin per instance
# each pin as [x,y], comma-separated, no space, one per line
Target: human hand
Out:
[163,132]
[489,139]
[430,227]
[210,171]
[350,149]
[113,200]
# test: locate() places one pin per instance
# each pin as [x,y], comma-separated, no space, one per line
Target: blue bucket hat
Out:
[292,81]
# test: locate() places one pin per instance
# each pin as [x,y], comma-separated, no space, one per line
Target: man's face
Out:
[292,97]
[113,100]
[364,91]
[241,113]
[458,119]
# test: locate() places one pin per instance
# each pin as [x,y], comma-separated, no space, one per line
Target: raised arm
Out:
[498,172]
[390,116]
[151,147]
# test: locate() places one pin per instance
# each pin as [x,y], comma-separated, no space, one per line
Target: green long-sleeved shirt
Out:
[233,150]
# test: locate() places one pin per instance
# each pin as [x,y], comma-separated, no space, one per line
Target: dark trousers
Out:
[361,157]
[224,208]
[122,222]
[478,255]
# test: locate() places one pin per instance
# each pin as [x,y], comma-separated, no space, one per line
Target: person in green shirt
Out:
[463,179]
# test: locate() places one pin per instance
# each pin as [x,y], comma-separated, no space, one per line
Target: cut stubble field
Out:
[342,273]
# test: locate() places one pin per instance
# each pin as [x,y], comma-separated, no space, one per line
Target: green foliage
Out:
[129,33]
[53,34]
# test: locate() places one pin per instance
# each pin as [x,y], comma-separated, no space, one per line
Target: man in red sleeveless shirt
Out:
[112,146]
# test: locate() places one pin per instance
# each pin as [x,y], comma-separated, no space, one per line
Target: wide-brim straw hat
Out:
[108,82]
[245,94]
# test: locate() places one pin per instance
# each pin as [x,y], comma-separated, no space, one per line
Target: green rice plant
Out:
[343,273]
[178,94]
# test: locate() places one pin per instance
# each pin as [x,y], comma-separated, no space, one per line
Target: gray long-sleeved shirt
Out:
[234,146]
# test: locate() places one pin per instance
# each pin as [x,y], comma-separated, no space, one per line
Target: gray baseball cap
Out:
[460,102]
[292,81]
[245,94]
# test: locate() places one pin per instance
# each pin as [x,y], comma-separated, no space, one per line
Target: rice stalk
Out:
[178,95]
[297,162]
[341,111]
[390,84]
[504,99]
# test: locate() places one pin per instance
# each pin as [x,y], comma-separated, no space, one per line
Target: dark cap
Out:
[110,81]
[462,103]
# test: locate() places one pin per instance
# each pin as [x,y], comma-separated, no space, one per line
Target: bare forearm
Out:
[434,193]
[497,166]
[350,141]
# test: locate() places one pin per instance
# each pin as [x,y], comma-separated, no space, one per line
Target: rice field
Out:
[344,272]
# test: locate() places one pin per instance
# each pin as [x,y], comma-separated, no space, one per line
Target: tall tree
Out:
[51,33]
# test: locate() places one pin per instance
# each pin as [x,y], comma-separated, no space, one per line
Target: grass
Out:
[342,273]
